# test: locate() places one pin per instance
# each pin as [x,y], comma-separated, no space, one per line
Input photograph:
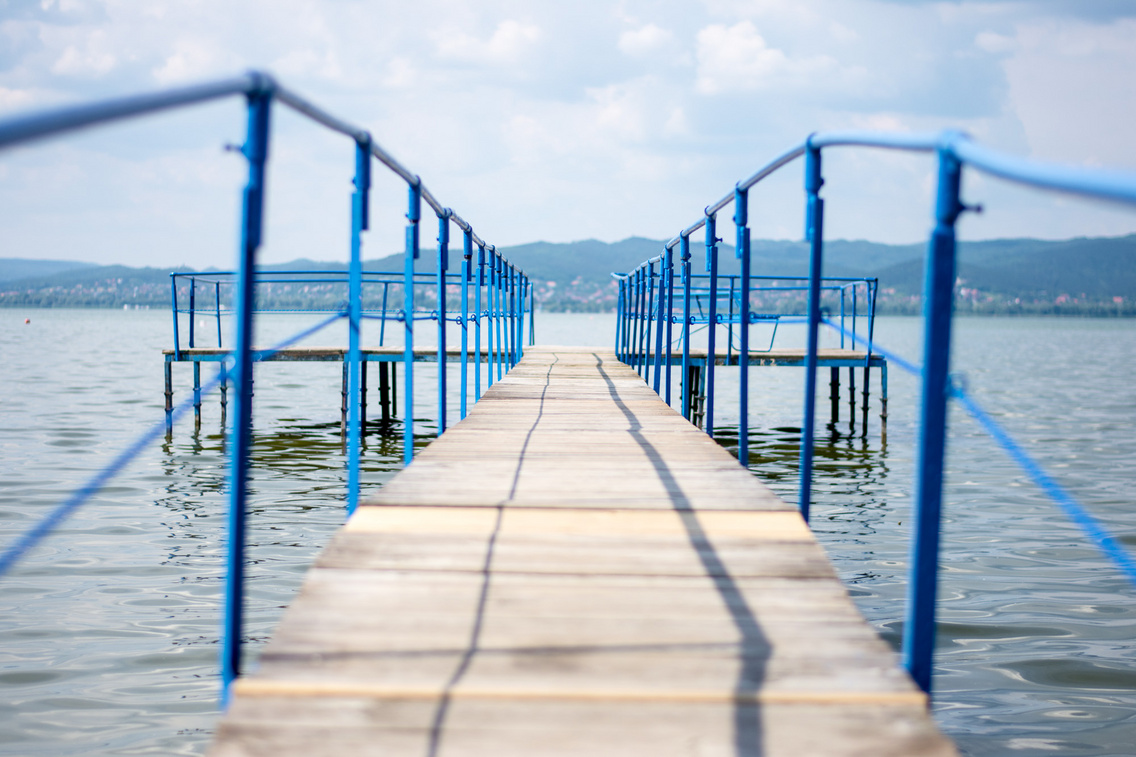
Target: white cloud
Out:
[602,118]
[88,58]
[644,41]
[737,59]
[509,43]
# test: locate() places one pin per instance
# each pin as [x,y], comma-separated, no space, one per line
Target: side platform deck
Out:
[575,570]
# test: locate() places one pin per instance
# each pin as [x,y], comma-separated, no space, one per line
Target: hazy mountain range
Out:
[1083,275]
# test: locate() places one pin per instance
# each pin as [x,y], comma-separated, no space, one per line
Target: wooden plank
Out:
[574,569]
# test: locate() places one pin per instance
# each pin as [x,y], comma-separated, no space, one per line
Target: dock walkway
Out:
[575,570]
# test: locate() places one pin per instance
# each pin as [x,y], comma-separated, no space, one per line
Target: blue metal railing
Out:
[508,293]
[954,150]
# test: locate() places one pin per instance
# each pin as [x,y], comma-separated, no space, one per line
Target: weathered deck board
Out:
[575,570]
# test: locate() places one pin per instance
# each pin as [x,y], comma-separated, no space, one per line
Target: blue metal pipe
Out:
[413,216]
[712,311]
[360,201]
[684,255]
[256,151]
[490,307]
[467,259]
[938,303]
[741,221]
[477,323]
[443,264]
[814,232]
[649,321]
[657,369]
[668,273]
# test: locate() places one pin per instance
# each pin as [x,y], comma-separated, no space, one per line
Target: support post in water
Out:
[256,151]
[741,223]
[355,387]
[443,264]
[413,215]
[712,318]
[814,233]
[938,302]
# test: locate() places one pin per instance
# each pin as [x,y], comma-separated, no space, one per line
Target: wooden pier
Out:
[575,570]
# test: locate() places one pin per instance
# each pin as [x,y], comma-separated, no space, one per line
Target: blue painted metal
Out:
[443,264]
[490,308]
[360,202]
[413,216]
[261,91]
[815,235]
[256,151]
[712,315]
[668,276]
[938,303]
[648,319]
[684,255]
[741,244]
[660,314]
[467,261]
[477,324]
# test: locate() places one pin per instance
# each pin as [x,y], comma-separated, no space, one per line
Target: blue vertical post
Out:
[640,319]
[938,300]
[217,304]
[490,315]
[741,223]
[712,308]
[359,223]
[413,216]
[619,319]
[174,304]
[256,151]
[523,286]
[443,265]
[192,309]
[467,262]
[532,312]
[659,308]
[668,276]
[648,319]
[684,255]
[499,310]
[477,323]
[514,279]
[814,232]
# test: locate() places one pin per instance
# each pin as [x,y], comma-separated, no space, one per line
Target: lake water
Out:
[108,631]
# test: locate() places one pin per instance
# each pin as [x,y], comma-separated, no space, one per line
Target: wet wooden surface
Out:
[575,570]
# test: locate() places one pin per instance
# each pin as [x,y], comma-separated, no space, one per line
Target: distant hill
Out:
[15,269]
[1095,276]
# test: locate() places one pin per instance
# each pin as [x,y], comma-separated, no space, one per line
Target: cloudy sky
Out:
[553,121]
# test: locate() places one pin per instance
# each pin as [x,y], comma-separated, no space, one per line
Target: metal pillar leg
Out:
[384,393]
[363,398]
[864,404]
[343,402]
[834,397]
[169,374]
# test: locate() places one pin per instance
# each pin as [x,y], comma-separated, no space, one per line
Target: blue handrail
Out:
[261,91]
[954,151]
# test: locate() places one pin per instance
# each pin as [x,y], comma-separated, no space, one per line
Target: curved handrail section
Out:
[507,289]
[642,313]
